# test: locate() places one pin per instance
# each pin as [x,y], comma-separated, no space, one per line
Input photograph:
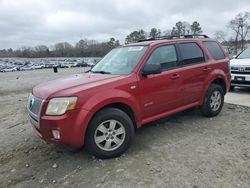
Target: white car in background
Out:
[37,66]
[9,69]
[240,69]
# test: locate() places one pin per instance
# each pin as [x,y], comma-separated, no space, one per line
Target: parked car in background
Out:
[9,69]
[240,69]
[90,64]
[26,68]
[19,67]
[132,85]
[32,64]
[39,66]
[81,64]
[50,64]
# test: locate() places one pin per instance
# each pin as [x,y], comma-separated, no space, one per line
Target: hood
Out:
[240,62]
[71,84]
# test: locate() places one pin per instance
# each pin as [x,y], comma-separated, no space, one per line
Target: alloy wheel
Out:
[109,135]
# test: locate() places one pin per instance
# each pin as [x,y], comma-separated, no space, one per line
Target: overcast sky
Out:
[33,22]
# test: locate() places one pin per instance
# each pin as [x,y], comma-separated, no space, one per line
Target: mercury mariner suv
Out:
[132,85]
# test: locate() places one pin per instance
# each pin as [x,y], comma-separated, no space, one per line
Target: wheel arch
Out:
[125,108]
[221,82]
[119,105]
[123,101]
[215,77]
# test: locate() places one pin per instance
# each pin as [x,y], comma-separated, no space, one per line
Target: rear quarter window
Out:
[215,50]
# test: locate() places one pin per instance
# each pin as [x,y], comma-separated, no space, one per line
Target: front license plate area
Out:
[239,78]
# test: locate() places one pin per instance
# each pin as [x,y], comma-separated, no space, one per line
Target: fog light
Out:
[56,134]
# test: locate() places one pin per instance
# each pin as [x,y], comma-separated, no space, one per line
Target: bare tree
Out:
[42,51]
[220,36]
[241,26]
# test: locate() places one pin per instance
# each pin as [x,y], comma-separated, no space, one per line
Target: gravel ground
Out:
[184,150]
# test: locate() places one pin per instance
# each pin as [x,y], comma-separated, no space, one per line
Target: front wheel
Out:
[213,101]
[109,133]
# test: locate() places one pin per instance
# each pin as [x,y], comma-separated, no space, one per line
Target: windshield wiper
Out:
[101,72]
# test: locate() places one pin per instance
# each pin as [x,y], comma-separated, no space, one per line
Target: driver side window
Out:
[164,55]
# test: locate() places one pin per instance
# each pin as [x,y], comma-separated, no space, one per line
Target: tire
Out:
[232,88]
[109,133]
[213,102]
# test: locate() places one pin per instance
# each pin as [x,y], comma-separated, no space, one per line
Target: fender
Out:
[111,96]
[215,74]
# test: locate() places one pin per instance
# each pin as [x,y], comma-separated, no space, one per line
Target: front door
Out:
[161,92]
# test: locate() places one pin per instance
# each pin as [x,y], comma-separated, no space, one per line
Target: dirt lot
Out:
[184,150]
[239,95]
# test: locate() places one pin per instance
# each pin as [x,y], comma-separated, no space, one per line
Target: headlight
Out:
[58,106]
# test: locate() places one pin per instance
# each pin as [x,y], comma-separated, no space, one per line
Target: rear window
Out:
[214,50]
[191,53]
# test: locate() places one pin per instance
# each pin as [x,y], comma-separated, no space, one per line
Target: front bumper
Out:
[71,125]
[242,80]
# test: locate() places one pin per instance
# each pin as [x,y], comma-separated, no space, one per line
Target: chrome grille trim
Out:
[34,110]
[240,69]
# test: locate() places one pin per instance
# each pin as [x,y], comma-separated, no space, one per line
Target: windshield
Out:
[120,61]
[245,54]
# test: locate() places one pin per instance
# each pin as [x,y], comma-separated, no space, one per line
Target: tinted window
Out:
[164,55]
[191,53]
[215,50]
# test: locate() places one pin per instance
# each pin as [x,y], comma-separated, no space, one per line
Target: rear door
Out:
[194,71]
[161,92]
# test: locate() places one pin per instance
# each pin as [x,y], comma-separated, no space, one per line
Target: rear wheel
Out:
[213,101]
[109,133]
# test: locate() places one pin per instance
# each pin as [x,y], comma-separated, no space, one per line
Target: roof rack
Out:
[169,37]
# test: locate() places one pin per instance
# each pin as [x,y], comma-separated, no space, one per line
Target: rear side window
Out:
[164,55]
[191,53]
[214,50]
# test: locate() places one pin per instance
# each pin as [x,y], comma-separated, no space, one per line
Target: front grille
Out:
[35,105]
[237,72]
[34,109]
[240,82]
[240,70]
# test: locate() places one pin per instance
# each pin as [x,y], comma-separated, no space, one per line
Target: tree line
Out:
[83,48]
[234,40]
[180,28]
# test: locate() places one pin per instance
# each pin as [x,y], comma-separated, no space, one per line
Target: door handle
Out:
[206,69]
[175,76]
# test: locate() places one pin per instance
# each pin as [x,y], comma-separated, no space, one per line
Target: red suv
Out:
[132,85]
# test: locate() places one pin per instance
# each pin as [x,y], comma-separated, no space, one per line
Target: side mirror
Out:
[151,69]
[234,56]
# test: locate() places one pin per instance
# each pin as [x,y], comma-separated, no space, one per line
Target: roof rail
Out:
[174,37]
